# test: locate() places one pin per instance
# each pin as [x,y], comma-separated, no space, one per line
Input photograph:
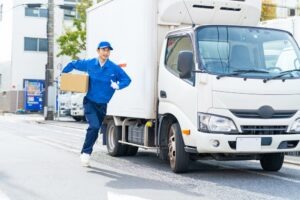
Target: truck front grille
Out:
[264,130]
[254,114]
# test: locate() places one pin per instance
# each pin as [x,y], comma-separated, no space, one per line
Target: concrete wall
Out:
[11,101]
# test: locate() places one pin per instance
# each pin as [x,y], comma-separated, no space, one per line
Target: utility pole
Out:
[49,85]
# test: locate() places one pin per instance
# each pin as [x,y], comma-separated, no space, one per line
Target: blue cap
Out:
[104,44]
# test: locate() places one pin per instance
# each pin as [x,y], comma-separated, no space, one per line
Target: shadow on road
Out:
[125,182]
[242,175]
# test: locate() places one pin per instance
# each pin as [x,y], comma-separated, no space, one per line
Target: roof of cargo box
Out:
[199,12]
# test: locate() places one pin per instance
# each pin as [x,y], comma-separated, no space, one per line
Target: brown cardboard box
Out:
[74,83]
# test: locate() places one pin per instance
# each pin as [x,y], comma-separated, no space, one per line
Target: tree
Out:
[74,40]
[268,10]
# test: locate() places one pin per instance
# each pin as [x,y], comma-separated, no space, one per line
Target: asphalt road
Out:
[41,161]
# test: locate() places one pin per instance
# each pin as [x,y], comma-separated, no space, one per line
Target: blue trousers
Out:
[94,114]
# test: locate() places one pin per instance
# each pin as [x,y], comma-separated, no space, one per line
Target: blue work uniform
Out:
[99,93]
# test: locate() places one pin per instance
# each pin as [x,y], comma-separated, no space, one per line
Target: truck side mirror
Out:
[185,64]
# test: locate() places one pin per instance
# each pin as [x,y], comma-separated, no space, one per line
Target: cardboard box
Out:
[74,83]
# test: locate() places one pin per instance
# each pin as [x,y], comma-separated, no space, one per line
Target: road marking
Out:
[55,144]
[114,196]
[3,196]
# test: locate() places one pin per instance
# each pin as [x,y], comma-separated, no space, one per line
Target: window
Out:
[36,12]
[176,45]
[292,12]
[70,14]
[1,12]
[280,55]
[43,45]
[264,53]
[35,44]
[31,44]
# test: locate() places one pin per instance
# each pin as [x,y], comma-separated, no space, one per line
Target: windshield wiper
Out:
[239,72]
[281,74]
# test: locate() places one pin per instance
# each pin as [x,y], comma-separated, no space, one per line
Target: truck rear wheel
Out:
[272,162]
[131,150]
[113,135]
[178,157]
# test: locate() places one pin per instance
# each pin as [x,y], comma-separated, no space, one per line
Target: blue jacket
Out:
[100,78]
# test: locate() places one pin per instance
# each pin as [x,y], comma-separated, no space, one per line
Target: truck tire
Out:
[272,162]
[132,150]
[178,157]
[113,135]
[77,119]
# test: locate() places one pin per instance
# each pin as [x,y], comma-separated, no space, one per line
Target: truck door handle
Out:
[163,94]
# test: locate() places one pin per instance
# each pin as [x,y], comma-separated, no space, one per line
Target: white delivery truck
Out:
[201,84]
[291,24]
[77,111]
[64,103]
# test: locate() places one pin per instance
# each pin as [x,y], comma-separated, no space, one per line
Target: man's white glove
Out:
[114,85]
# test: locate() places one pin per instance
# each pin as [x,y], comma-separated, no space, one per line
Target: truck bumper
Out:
[221,143]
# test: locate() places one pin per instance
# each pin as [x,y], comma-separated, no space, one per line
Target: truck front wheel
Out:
[113,135]
[178,157]
[77,119]
[272,162]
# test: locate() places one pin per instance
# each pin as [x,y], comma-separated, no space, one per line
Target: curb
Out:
[53,124]
[294,160]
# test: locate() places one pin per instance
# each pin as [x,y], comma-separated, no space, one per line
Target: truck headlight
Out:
[296,126]
[213,123]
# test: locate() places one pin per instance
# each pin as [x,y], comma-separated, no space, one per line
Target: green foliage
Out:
[74,40]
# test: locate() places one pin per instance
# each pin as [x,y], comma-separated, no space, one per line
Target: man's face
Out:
[104,53]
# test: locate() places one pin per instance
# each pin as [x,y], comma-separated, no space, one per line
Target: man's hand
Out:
[114,85]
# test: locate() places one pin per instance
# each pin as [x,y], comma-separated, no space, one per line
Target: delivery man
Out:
[104,78]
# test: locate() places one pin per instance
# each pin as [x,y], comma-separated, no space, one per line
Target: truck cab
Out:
[224,98]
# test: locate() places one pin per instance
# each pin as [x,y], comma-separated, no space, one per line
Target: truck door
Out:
[178,96]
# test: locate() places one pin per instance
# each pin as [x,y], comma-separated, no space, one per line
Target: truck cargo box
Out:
[136,30]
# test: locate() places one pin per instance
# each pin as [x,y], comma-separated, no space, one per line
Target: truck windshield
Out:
[248,52]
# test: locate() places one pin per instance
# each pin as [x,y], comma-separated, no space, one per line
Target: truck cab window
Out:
[175,45]
[226,50]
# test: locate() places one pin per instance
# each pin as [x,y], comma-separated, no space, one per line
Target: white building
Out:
[287,8]
[23,46]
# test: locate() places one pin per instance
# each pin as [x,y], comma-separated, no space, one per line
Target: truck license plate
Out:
[248,144]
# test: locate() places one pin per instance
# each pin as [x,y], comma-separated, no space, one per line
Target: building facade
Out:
[287,8]
[24,45]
